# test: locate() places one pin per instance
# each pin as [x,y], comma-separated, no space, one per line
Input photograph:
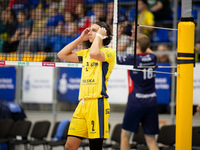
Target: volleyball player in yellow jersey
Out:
[90,119]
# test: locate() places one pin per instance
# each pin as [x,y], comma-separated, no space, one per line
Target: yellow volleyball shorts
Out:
[90,119]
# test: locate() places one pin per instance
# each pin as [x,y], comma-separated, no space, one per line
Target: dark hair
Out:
[143,41]
[85,8]
[12,13]
[109,32]
[23,12]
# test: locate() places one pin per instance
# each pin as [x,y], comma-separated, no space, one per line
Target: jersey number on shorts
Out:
[92,122]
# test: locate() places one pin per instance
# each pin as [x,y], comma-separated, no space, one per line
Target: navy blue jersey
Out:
[143,93]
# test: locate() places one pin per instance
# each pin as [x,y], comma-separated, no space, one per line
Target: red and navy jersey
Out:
[143,80]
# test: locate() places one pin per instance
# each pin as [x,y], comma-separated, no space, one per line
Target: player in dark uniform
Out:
[141,106]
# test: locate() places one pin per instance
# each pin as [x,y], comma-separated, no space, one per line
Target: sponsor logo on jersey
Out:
[146,58]
[94,64]
[88,80]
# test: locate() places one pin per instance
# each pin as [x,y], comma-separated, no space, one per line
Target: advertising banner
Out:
[196,85]
[118,87]
[68,84]
[7,83]
[38,84]
[163,82]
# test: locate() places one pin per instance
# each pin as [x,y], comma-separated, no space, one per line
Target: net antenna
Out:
[115,26]
[135,40]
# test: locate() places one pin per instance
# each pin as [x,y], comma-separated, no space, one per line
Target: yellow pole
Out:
[184,98]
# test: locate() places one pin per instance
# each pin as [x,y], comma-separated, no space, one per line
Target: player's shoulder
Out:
[152,55]
[108,50]
[146,57]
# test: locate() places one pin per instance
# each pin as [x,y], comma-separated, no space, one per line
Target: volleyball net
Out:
[33,32]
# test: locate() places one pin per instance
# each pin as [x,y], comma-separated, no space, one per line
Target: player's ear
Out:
[137,45]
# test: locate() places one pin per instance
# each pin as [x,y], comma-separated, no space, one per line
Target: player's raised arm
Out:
[67,54]
[96,46]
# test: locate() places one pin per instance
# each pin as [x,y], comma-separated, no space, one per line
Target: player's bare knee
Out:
[151,142]
[125,135]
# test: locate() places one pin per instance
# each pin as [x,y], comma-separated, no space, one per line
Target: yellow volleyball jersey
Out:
[146,18]
[95,74]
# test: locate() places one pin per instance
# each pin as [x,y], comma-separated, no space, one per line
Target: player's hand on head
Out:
[85,35]
[102,31]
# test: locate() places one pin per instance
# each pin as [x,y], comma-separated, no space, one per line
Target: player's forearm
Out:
[157,7]
[95,47]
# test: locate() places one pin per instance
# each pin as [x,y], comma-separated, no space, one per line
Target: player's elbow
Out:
[59,55]
[93,55]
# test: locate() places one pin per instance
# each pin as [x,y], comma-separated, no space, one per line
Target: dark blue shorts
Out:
[148,117]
